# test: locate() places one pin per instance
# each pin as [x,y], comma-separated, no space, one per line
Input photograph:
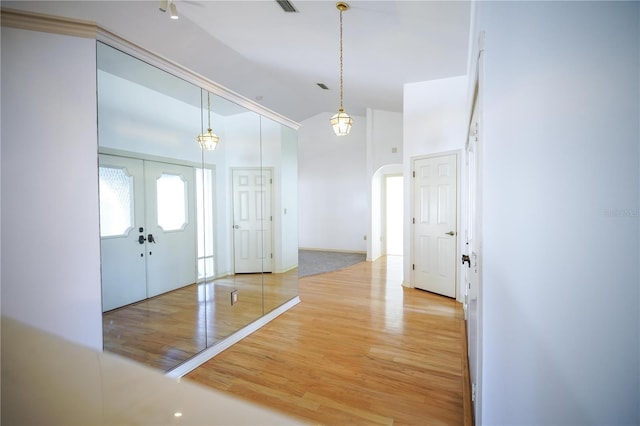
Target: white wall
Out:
[332,186]
[384,134]
[336,179]
[434,121]
[560,208]
[50,230]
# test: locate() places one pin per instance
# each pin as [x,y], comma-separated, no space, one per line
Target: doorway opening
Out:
[394,214]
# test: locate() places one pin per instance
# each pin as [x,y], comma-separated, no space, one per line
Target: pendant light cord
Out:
[341,90]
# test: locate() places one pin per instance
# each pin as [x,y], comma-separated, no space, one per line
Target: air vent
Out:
[287,6]
[323,86]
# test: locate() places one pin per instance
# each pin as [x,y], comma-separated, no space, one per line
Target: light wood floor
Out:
[358,349]
[168,329]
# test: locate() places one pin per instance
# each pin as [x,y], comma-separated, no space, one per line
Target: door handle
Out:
[141,239]
[151,239]
[467,259]
[452,233]
[236,226]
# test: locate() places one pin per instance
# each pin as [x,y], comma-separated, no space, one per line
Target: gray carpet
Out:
[312,262]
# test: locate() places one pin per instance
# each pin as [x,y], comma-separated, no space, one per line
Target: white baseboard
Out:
[332,250]
[204,356]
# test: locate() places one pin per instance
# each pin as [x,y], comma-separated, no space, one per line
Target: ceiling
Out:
[276,59]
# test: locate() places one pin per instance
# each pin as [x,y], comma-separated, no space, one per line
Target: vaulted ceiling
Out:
[277,58]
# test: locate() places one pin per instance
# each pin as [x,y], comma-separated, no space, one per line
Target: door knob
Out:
[452,233]
[467,259]
[141,239]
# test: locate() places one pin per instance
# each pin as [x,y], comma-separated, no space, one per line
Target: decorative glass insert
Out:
[172,202]
[116,201]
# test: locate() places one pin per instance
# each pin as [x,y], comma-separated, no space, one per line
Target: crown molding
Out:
[20,19]
[173,68]
[49,24]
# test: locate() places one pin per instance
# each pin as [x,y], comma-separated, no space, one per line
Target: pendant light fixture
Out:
[208,141]
[341,122]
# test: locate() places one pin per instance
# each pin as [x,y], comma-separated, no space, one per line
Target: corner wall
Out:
[50,230]
[561,329]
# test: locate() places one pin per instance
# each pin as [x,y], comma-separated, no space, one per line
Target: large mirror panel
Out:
[153,311]
[195,243]
[280,159]
[234,289]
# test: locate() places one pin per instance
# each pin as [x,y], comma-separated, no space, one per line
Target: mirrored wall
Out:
[195,244]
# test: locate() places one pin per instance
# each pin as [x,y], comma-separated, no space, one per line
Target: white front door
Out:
[147,229]
[252,218]
[171,228]
[123,263]
[435,224]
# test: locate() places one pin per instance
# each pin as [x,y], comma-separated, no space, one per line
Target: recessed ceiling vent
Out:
[323,86]
[287,6]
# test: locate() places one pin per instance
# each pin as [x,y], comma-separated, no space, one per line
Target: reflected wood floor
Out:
[168,329]
[358,349]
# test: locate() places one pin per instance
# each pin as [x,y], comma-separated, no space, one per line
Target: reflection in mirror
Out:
[233,289]
[280,161]
[147,123]
[186,233]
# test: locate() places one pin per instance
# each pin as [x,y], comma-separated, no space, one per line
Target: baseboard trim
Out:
[204,356]
[332,250]
[284,271]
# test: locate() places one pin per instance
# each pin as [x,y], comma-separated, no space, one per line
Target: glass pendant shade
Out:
[208,141]
[341,123]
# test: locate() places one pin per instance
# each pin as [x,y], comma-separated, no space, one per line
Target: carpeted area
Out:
[312,262]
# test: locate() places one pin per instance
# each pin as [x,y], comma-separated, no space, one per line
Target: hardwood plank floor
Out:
[358,349]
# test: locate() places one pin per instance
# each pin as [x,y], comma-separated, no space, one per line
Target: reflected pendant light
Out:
[341,122]
[209,140]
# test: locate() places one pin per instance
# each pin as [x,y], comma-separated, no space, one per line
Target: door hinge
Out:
[271,181]
[271,218]
[271,255]
[473,392]
[414,173]
[413,267]
[414,220]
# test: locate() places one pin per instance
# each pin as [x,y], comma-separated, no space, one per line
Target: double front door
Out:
[147,229]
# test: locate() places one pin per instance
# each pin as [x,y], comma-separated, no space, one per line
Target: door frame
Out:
[412,205]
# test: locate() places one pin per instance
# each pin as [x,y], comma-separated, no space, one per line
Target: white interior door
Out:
[470,258]
[435,223]
[123,264]
[171,227]
[473,262]
[252,218]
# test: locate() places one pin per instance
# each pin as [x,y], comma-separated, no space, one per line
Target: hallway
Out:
[358,349]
